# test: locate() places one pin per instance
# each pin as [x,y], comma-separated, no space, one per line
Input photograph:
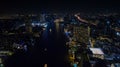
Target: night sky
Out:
[38,5]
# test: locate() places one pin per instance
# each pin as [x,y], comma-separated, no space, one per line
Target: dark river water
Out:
[49,49]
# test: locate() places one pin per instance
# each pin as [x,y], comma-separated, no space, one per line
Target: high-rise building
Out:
[81,34]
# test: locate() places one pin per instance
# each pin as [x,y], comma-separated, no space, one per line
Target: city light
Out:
[69,39]
[118,34]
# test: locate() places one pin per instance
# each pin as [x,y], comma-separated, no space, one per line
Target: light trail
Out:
[82,20]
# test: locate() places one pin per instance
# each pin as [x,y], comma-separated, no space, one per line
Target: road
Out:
[49,49]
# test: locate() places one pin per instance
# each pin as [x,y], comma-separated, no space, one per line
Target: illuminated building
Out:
[81,34]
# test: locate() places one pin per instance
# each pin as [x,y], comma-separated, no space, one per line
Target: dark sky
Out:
[37,5]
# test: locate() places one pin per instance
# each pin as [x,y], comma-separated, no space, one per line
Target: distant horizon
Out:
[19,6]
[60,10]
